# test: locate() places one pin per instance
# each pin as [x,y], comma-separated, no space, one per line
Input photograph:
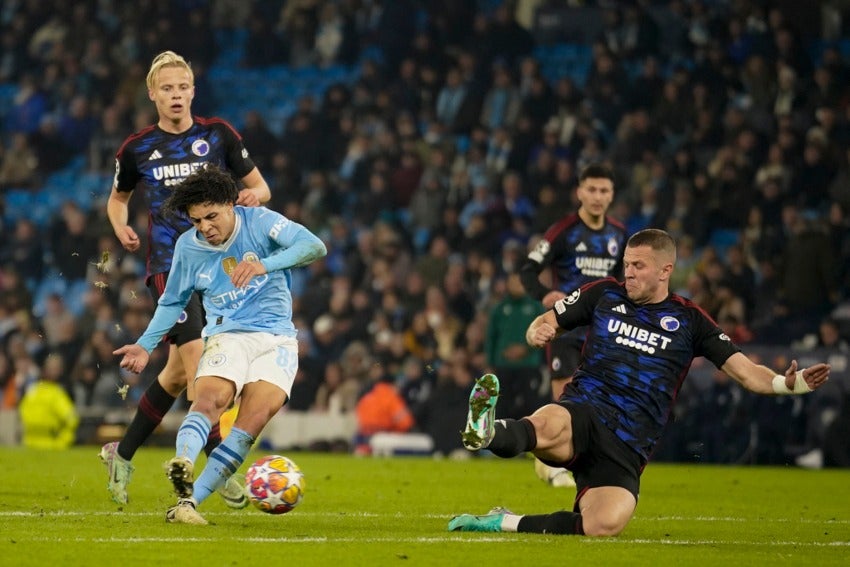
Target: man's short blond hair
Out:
[167,59]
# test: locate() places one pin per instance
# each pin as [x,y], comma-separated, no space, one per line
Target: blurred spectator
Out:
[508,355]
[23,252]
[49,146]
[257,136]
[828,336]
[19,164]
[836,448]
[502,102]
[809,283]
[337,393]
[30,106]
[724,418]
[48,416]
[77,127]
[109,135]
[72,243]
[447,405]
[380,410]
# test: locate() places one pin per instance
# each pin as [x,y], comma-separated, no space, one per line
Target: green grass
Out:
[54,510]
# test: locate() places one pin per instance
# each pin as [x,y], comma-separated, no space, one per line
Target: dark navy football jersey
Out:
[153,162]
[578,254]
[636,356]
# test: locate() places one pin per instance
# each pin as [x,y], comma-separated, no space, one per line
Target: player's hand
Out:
[247,198]
[539,335]
[552,297]
[246,270]
[128,238]
[135,357]
[814,375]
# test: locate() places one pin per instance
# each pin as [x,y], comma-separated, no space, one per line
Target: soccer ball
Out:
[274,484]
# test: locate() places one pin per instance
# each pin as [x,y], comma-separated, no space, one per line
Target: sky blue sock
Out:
[192,435]
[223,462]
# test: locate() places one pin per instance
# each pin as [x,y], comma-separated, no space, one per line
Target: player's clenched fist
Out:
[539,335]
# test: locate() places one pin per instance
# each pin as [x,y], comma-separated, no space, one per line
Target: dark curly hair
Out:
[210,184]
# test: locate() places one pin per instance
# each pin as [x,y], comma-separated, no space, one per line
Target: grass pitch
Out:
[54,510]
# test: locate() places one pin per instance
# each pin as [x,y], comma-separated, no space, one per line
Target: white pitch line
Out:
[724,519]
[447,539]
[737,519]
[465,539]
[716,542]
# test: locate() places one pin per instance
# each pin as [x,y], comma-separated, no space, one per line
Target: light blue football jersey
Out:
[265,304]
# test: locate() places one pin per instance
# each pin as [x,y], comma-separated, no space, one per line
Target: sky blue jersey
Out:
[265,304]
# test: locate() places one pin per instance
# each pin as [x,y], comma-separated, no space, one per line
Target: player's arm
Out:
[172,302]
[118,211]
[255,190]
[543,329]
[297,247]
[538,259]
[574,310]
[762,380]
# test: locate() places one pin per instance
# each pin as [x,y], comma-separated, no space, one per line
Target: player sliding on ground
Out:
[640,345]
[238,260]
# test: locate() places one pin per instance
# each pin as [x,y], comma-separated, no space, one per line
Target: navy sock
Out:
[213,440]
[513,437]
[154,404]
[562,523]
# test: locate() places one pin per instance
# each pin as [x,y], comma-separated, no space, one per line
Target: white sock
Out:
[510,522]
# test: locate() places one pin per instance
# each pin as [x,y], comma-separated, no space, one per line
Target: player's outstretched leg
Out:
[120,470]
[184,513]
[180,471]
[482,413]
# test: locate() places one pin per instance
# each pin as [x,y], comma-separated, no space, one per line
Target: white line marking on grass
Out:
[718,542]
[737,519]
[726,519]
[468,538]
[305,539]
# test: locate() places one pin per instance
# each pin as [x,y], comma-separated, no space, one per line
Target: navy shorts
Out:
[190,323]
[601,458]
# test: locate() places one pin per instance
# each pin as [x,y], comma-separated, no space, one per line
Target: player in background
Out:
[152,162]
[581,247]
[238,259]
[640,345]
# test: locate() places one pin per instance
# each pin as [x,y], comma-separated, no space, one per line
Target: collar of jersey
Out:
[200,241]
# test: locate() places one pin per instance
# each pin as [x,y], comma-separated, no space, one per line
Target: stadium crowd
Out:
[430,172]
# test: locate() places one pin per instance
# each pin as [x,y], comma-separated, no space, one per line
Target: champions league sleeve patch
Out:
[561,305]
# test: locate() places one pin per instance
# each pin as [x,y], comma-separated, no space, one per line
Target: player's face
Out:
[595,195]
[172,94]
[646,274]
[214,221]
